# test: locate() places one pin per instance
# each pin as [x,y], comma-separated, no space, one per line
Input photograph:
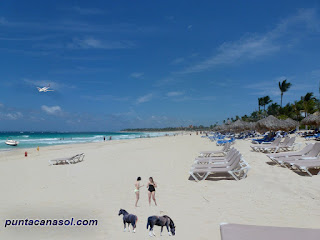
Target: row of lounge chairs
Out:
[303,160]
[286,145]
[211,162]
[70,160]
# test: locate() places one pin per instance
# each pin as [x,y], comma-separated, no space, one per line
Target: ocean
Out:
[35,139]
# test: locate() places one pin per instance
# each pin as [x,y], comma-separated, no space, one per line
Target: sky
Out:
[132,64]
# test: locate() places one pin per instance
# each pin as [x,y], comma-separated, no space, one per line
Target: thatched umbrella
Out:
[219,127]
[252,125]
[312,119]
[224,128]
[271,123]
[240,125]
[291,123]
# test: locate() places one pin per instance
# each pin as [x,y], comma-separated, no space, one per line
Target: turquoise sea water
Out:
[34,139]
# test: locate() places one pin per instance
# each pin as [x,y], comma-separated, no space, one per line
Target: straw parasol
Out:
[271,123]
[240,125]
[222,128]
[312,119]
[252,125]
[291,123]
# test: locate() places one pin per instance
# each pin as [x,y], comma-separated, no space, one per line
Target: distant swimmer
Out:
[44,89]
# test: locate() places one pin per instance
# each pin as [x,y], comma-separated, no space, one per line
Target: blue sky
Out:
[119,64]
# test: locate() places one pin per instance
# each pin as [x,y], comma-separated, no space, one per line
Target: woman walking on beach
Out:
[137,189]
[152,191]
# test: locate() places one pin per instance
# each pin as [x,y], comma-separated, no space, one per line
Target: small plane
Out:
[44,89]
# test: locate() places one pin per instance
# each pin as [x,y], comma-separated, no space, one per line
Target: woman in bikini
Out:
[152,191]
[137,189]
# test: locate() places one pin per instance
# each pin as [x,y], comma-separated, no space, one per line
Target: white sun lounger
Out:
[219,164]
[71,160]
[288,161]
[223,151]
[216,159]
[273,147]
[302,152]
[235,170]
[306,165]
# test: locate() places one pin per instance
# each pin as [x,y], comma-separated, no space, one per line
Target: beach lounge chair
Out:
[306,165]
[71,160]
[273,147]
[265,140]
[311,155]
[223,142]
[276,156]
[223,151]
[252,232]
[284,142]
[226,158]
[236,170]
[289,145]
[217,163]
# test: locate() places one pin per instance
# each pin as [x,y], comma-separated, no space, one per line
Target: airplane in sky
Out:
[44,89]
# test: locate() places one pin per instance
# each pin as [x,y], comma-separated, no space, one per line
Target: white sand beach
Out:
[104,182]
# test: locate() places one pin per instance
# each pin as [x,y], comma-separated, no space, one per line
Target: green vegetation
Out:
[169,129]
[297,110]
[284,87]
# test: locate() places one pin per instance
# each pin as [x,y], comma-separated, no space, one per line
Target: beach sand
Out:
[102,184]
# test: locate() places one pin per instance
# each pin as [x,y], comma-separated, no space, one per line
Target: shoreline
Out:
[11,148]
[74,145]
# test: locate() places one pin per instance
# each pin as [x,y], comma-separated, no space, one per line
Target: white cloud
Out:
[93,43]
[189,27]
[145,98]
[174,94]
[1,105]
[11,116]
[137,74]
[54,110]
[252,46]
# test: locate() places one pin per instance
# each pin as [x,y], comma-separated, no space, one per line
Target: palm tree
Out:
[308,103]
[273,109]
[266,101]
[284,86]
[260,102]
[297,107]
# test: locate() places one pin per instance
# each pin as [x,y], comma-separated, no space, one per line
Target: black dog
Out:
[161,221]
[128,218]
